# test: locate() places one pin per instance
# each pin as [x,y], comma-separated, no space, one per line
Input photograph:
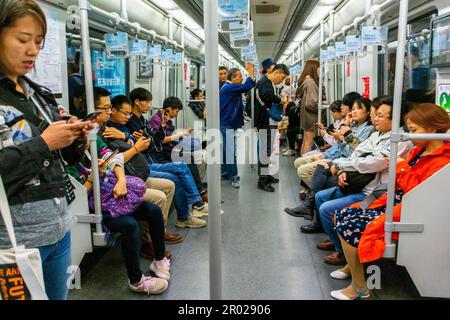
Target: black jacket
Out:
[198,108]
[31,159]
[156,153]
[268,96]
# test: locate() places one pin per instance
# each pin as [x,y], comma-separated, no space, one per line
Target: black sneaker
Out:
[272,179]
[265,187]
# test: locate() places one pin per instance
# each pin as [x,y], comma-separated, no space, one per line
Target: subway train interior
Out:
[293,149]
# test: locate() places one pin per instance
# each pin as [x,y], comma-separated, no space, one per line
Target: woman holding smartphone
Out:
[32,170]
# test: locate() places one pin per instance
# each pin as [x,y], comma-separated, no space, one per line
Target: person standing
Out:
[308,93]
[223,73]
[32,169]
[232,118]
[266,96]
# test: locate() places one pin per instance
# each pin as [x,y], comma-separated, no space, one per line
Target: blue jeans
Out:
[186,192]
[227,168]
[56,258]
[327,202]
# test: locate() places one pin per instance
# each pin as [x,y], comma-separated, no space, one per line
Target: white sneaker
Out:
[161,268]
[289,153]
[191,222]
[149,285]
[203,212]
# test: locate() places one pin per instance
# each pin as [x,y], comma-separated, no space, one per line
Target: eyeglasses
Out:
[126,114]
[107,108]
[382,116]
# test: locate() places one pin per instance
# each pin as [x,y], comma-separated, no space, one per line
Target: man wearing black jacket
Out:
[266,96]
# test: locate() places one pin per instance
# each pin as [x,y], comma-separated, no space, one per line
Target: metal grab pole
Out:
[320,100]
[252,128]
[402,24]
[84,7]
[213,169]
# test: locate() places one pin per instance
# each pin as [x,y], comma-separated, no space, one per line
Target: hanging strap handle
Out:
[6,214]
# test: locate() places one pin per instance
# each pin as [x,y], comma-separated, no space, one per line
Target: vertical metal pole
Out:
[403,21]
[213,170]
[183,85]
[386,71]
[84,8]
[335,71]
[303,53]
[170,26]
[123,10]
[322,39]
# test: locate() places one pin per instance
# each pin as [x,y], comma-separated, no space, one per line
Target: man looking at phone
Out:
[232,118]
[266,96]
[162,120]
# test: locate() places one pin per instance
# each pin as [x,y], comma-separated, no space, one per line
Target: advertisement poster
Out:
[234,9]
[374,35]
[109,73]
[443,96]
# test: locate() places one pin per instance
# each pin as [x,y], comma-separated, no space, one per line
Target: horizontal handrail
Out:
[404,136]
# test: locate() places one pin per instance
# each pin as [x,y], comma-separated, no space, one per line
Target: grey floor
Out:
[264,255]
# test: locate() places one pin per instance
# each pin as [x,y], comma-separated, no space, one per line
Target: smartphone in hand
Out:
[92,116]
[110,156]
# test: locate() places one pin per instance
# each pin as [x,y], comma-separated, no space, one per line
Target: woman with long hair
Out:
[361,231]
[308,93]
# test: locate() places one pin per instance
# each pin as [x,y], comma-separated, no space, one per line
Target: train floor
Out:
[264,255]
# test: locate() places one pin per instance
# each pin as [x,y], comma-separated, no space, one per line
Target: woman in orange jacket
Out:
[362,231]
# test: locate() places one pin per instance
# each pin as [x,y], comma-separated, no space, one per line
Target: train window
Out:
[418,75]
[194,76]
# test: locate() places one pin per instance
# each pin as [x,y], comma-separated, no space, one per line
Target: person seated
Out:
[293,129]
[185,190]
[357,176]
[198,106]
[127,226]
[361,230]
[347,138]
[326,133]
[305,165]
[161,122]
[102,104]
[159,191]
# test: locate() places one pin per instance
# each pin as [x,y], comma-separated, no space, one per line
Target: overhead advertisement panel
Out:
[242,39]
[116,45]
[341,49]
[374,35]
[249,54]
[233,15]
[353,44]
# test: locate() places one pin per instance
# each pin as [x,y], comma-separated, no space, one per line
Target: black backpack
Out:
[136,166]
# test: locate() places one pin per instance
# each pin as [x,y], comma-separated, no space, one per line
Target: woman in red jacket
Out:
[362,231]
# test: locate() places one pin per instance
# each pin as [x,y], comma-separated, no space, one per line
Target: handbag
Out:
[136,188]
[275,112]
[21,275]
[356,182]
